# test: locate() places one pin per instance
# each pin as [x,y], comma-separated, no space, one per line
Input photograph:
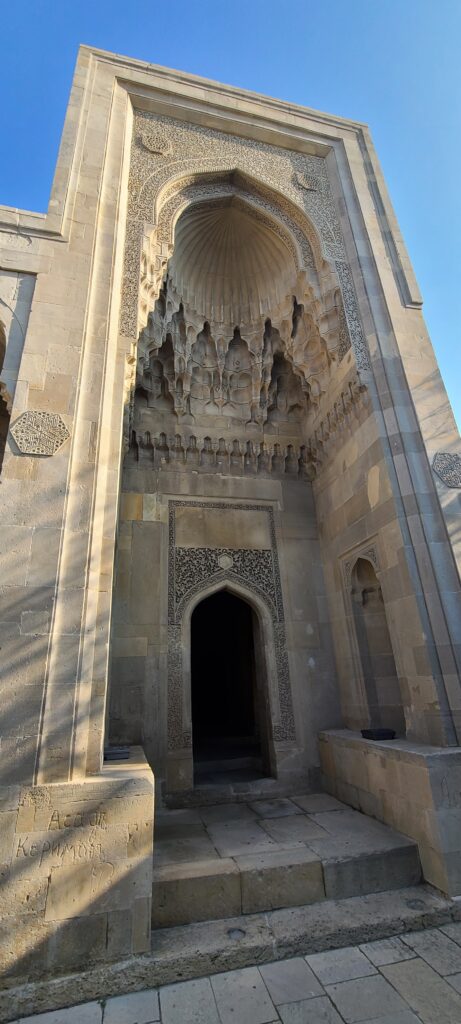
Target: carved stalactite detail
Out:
[176,164]
[274,374]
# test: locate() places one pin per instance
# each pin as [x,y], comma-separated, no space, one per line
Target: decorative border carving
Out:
[447,466]
[189,570]
[351,310]
[196,566]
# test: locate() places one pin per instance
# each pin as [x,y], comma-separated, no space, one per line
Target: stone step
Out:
[230,764]
[234,787]
[197,950]
[209,947]
[329,869]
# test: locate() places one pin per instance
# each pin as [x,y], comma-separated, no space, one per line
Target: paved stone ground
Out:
[406,980]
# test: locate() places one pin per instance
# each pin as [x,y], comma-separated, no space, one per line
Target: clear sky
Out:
[392,63]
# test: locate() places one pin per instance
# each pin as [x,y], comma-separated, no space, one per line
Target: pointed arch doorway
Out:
[229,710]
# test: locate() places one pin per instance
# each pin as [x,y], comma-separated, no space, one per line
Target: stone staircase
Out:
[225,860]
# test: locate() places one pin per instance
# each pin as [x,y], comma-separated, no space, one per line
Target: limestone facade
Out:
[218,381]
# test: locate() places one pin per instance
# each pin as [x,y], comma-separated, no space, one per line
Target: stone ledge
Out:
[76,871]
[413,788]
[196,950]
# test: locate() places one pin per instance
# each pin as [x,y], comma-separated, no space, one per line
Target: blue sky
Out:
[392,63]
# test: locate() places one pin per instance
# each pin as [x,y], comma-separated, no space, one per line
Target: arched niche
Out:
[379,672]
[226,260]
[180,774]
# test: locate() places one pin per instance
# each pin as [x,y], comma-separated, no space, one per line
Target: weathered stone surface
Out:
[139,1007]
[242,996]
[290,981]
[437,949]
[287,878]
[340,965]
[354,998]
[190,1002]
[195,950]
[199,891]
[310,1011]
[81,854]
[429,995]
[387,951]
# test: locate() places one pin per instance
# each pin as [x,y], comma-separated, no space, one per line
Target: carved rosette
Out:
[448,468]
[190,570]
[39,433]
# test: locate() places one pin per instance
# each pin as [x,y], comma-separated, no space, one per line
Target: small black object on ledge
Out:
[116,753]
[378,734]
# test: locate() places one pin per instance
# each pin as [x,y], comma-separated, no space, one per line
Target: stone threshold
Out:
[197,950]
[234,788]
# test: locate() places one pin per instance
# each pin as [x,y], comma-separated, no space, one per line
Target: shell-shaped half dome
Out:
[229,263]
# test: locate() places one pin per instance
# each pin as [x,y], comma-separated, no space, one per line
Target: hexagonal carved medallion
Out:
[448,468]
[39,433]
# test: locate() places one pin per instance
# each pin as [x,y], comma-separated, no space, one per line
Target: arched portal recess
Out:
[229,726]
[382,687]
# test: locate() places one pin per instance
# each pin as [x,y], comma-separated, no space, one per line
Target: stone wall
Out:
[217,515]
[76,871]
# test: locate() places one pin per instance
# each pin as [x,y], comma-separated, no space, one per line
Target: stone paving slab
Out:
[355,999]
[453,930]
[86,1013]
[294,828]
[275,808]
[340,965]
[407,1017]
[310,1011]
[189,1002]
[232,839]
[455,982]
[142,1007]
[430,996]
[387,951]
[290,981]
[242,996]
[350,985]
[437,949]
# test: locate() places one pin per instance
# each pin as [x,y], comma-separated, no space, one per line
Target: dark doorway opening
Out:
[226,699]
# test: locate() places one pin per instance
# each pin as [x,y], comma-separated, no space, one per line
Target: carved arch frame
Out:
[161,186]
[267,649]
[255,577]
